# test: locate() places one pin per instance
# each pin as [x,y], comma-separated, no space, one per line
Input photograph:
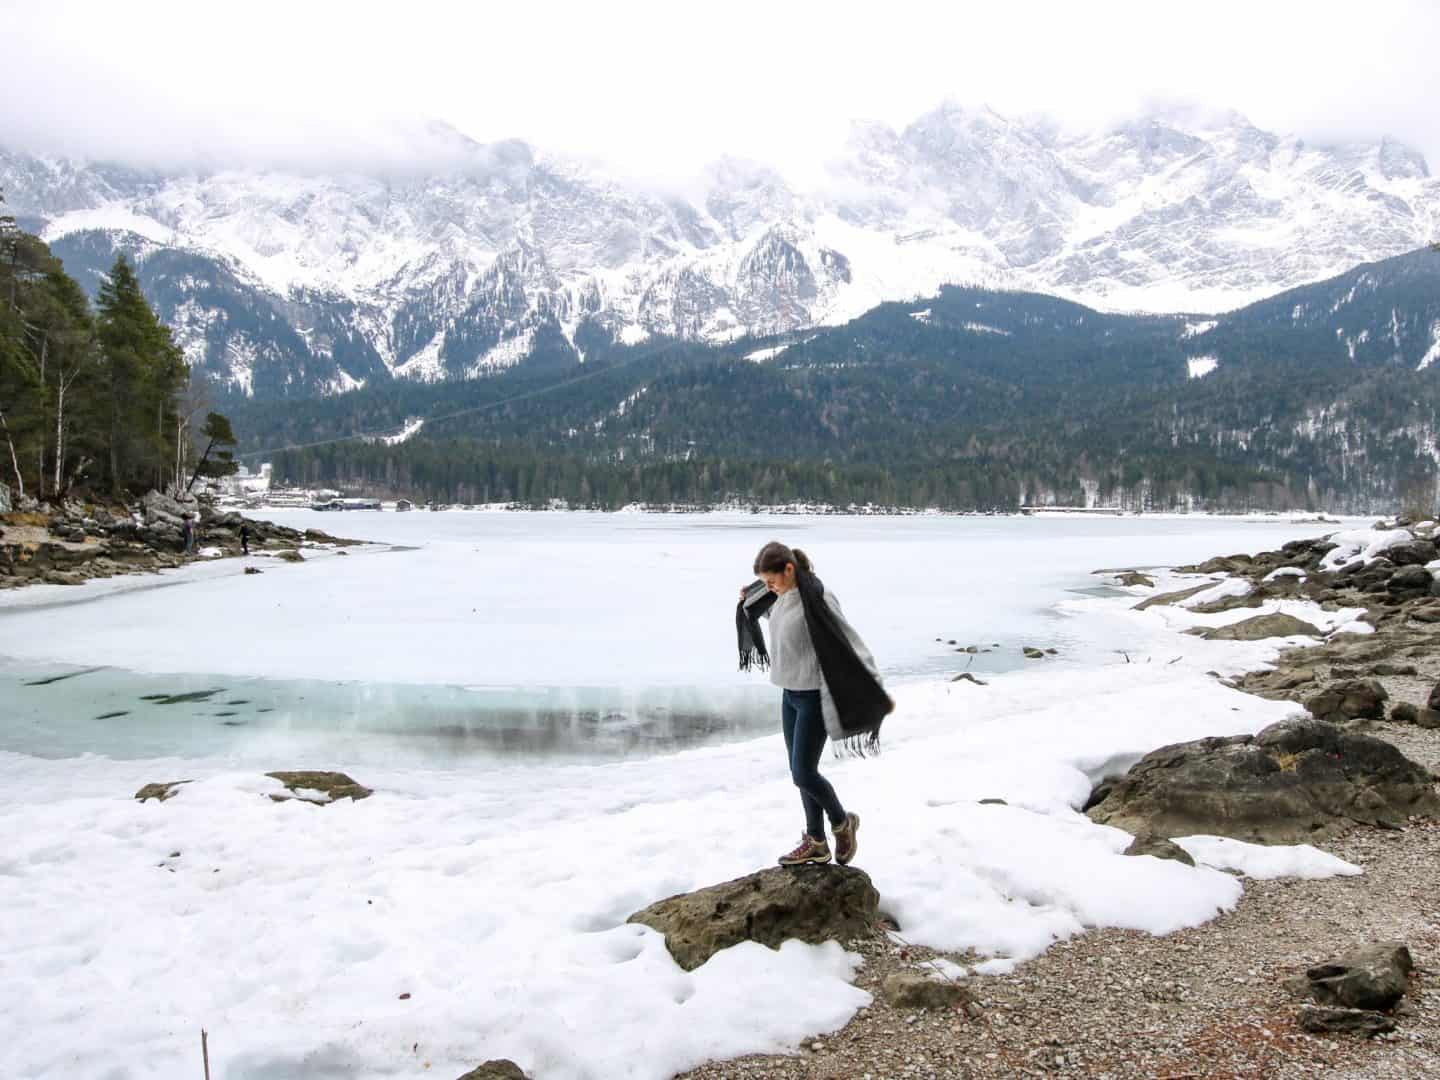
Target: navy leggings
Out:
[804,740]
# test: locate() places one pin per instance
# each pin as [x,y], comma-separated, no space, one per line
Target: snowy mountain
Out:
[282,285]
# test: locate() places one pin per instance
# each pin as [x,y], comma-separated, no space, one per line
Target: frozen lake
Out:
[519,634]
[548,711]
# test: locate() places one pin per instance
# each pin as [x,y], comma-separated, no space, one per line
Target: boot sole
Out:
[855,836]
[813,859]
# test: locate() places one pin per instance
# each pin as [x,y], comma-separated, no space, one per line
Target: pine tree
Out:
[143,371]
[219,438]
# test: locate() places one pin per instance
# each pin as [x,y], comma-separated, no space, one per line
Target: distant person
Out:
[188,532]
[831,687]
[244,538]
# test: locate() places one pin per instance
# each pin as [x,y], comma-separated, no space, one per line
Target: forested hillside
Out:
[974,399]
[99,398]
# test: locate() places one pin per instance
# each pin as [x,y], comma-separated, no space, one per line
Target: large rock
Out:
[1159,848]
[1252,599]
[160,509]
[1283,682]
[319,787]
[1350,699]
[499,1069]
[1166,599]
[1220,564]
[1411,553]
[1321,1019]
[1296,780]
[1373,977]
[1409,581]
[1258,627]
[808,903]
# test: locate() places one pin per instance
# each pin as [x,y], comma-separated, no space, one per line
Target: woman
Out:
[829,682]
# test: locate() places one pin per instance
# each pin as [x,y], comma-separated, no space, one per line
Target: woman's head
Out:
[776,565]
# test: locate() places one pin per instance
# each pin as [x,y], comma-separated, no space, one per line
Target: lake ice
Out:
[548,709]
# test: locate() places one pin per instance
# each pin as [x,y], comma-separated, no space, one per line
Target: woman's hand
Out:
[743,590]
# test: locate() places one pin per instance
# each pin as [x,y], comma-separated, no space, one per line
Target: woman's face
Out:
[779,583]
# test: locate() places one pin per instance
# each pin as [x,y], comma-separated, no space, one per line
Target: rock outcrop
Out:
[166,790]
[1259,627]
[319,788]
[499,1069]
[1160,848]
[1295,781]
[74,542]
[1349,699]
[807,903]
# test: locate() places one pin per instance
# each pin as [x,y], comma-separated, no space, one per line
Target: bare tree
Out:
[193,400]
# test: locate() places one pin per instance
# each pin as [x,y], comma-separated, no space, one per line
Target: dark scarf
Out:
[860,701]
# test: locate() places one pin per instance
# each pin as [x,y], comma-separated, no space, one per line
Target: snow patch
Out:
[760,355]
[1265,860]
[1433,353]
[506,354]
[1200,366]
[425,365]
[1362,544]
[412,425]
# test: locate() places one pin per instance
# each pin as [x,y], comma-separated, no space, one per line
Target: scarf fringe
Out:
[754,660]
[864,745]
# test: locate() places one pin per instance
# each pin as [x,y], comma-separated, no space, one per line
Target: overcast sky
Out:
[659,89]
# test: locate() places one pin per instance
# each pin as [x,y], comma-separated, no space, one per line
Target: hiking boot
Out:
[845,839]
[809,851]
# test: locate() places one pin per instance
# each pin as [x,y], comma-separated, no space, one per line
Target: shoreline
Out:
[1206,1001]
[80,542]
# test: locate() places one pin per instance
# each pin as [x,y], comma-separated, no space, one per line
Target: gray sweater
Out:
[793,664]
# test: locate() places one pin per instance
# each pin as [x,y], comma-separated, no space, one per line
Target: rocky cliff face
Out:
[283,285]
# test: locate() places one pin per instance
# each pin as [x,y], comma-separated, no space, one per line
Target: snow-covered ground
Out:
[493,892]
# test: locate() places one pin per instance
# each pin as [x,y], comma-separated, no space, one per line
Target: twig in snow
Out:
[205,1051]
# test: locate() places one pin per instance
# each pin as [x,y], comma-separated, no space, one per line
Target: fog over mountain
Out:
[452,258]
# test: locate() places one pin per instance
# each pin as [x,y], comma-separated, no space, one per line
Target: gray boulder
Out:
[1295,781]
[913,990]
[1372,977]
[807,903]
[1160,848]
[1321,1019]
[1350,699]
[1258,627]
[499,1069]
[1409,581]
[1412,553]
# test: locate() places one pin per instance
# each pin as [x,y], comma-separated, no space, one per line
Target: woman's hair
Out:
[774,555]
